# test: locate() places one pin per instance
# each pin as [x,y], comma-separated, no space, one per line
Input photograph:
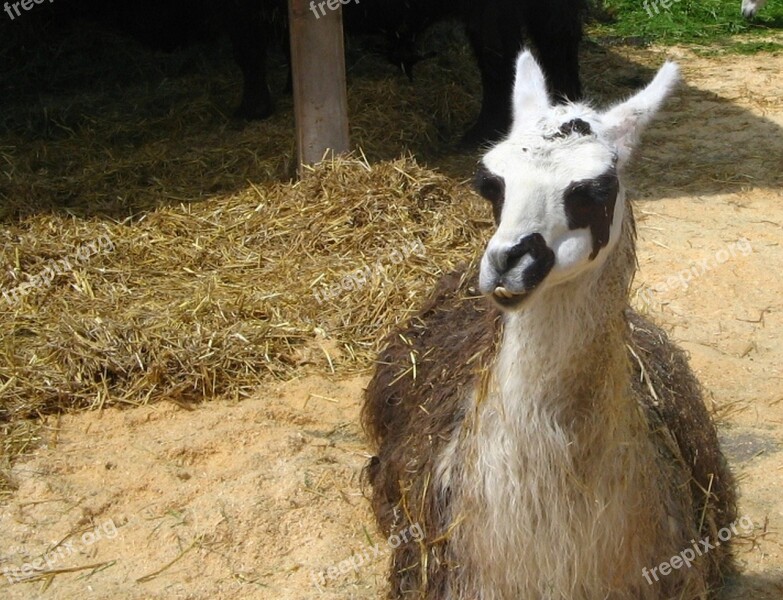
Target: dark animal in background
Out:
[497,30]
[251,26]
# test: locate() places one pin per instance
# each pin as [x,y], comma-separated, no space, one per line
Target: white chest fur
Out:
[555,485]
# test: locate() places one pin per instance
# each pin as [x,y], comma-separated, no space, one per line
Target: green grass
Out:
[754,47]
[693,22]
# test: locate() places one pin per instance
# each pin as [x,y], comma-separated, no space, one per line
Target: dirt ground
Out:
[256,499]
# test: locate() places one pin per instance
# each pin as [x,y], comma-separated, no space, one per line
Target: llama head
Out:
[554,188]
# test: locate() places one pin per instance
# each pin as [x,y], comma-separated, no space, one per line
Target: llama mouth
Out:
[506,298]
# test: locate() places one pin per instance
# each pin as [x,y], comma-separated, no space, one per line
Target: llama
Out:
[751,7]
[551,443]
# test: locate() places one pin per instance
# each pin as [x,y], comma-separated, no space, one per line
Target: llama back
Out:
[411,413]
[672,400]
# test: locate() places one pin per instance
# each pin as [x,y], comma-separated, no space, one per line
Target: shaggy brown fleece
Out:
[415,401]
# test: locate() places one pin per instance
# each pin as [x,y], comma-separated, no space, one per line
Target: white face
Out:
[554,188]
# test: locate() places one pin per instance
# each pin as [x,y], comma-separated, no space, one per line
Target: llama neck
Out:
[567,352]
[556,451]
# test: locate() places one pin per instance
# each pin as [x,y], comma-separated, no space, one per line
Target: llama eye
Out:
[590,203]
[592,193]
[491,187]
[585,199]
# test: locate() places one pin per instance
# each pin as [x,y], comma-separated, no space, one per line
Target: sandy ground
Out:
[255,499]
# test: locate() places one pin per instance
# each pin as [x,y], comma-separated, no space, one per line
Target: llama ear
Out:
[530,94]
[624,122]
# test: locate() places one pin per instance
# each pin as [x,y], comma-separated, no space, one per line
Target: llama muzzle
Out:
[510,273]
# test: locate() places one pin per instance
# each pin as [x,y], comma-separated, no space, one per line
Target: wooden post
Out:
[318,66]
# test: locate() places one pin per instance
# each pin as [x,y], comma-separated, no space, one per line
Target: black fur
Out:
[590,203]
[497,30]
[491,187]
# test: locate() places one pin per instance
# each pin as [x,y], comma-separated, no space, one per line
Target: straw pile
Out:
[205,300]
[204,282]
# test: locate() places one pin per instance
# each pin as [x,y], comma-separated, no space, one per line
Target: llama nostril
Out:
[498,259]
[533,244]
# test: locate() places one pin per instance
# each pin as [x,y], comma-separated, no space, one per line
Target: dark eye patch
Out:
[491,187]
[590,203]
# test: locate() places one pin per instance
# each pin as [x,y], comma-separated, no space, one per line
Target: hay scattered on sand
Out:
[103,137]
[204,300]
[209,285]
